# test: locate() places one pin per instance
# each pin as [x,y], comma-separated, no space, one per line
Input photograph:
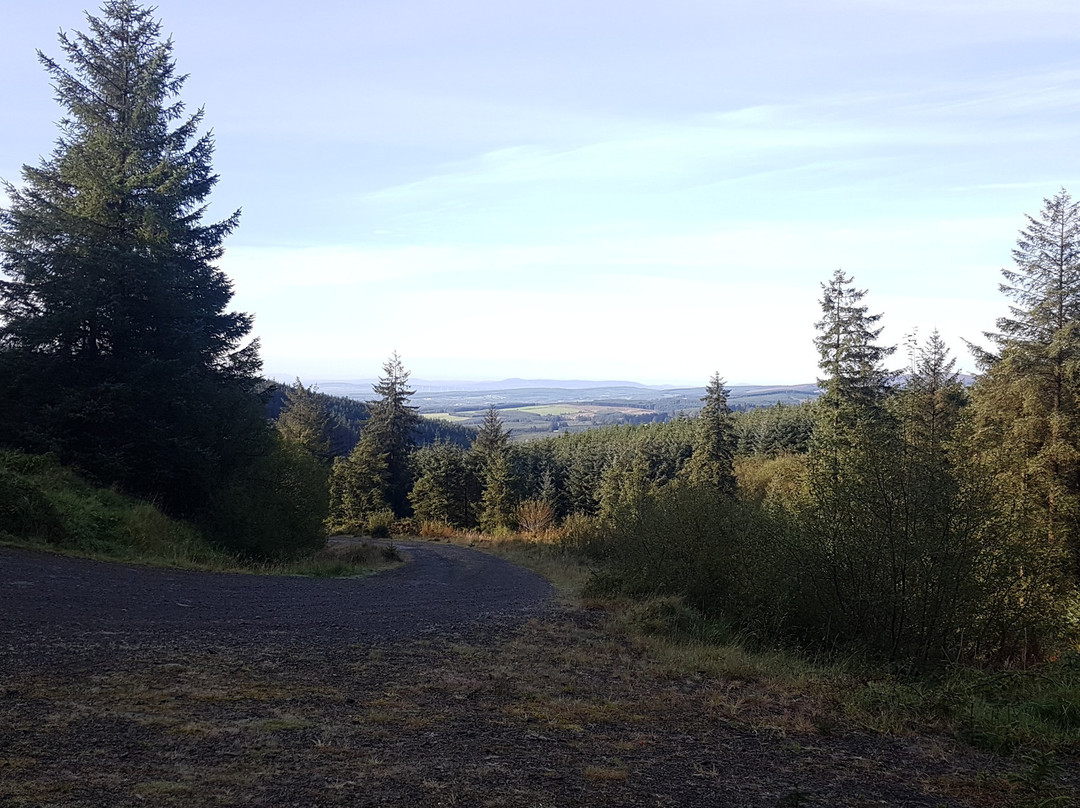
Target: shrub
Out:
[380,524]
[718,554]
[405,526]
[436,530]
[535,516]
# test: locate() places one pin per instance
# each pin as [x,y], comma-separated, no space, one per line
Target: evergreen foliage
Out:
[777,430]
[441,491]
[274,507]
[711,465]
[933,398]
[117,348]
[358,485]
[498,503]
[390,427]
[1027,404]
[855,381]
[304,421]
[491,437]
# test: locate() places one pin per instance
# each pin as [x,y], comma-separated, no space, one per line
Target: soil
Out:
[456,679]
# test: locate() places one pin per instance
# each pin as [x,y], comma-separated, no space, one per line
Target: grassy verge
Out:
[1032,714]
[45,506]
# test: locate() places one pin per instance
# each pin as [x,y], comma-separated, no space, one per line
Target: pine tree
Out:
[116,346]
[358,485]
[1027,405]
[847,337]
[491,437]
[855,382]
[305,422]
[390,426]
[933,397]
[498,502]
[440,493]
[711,465]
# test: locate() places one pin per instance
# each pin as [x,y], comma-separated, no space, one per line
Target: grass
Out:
[1011,712]
[446,416]
[45,506]
[548,409]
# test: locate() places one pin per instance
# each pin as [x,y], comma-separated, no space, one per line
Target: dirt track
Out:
[70,610]
[450,681]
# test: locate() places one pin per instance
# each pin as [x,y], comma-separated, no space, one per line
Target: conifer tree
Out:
[854,379]
[854,382]
[390,427]
[550,492]
[498,503]
[1027,404]
[711,465]
[305,422]
[358,485]
[117,348]
[933,397]
[491,437]
[440,493]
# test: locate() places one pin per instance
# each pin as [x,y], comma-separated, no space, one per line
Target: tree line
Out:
[903,511]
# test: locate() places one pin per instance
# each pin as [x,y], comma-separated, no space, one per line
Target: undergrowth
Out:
[1024,713]
[44,505]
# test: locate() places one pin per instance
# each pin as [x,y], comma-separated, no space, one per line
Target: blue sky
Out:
[605,190]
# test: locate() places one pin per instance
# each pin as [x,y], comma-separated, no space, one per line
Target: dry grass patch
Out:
[606,774]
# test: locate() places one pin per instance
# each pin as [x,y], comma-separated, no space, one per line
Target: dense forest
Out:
[903,513]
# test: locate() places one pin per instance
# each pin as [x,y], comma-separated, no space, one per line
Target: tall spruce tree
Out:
[117,349]
[491,438]
[854,379]
[358,485]
[932,399]
[498,503]
[1027,404]
[390,427]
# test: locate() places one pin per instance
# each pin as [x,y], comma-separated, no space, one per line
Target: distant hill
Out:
[433,394]
[533,408]
[360,389]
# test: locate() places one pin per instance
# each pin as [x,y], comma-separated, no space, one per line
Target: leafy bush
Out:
[405,526]
[380,524]
[715,552]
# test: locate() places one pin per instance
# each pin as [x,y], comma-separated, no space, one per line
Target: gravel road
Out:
[427,685]
[51,605]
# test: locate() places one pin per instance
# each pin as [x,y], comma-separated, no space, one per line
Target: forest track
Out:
[70,611]
[452,680]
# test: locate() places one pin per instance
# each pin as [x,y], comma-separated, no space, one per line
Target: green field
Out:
[547,409]
[445,416]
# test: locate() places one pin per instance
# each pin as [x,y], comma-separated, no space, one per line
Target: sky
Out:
[604,190]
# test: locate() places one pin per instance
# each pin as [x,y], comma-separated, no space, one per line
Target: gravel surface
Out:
[51,605]
[453,680]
